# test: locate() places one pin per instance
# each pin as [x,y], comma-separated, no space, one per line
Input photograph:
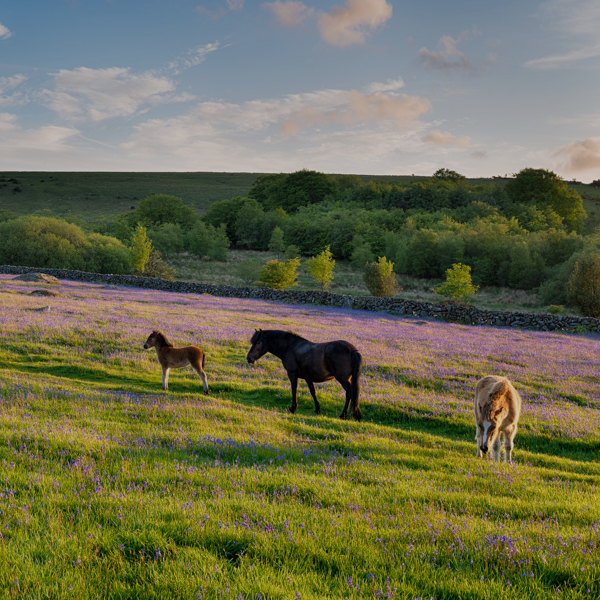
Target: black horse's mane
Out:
[277,334]
[163,337]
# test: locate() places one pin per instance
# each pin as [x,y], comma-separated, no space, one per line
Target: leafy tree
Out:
[276,244]
[292,191]
[321,268]
[546,188]
[280,275]
[167,238]
[449,175]
[226,211]
[158,209]
[361,253]
[458,284]
[219,245]
[380,279]
[292,251]
[141,247]
[199,239]
[584,284]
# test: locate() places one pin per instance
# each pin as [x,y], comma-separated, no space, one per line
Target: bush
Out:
[555,309]
[458,284]
[276,243]
[36,241]
[155,267]
[280,275]
[584,284]
[248,272]
[321,268]
[380,279]
[107,255]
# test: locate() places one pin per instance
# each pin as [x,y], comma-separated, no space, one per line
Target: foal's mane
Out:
[163,338]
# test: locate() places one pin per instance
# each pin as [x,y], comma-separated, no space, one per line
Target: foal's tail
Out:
[203,360]
[356,366]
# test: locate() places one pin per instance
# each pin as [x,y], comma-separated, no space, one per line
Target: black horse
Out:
[313,363]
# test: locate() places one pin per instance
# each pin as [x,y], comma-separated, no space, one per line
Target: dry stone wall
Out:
[445,311]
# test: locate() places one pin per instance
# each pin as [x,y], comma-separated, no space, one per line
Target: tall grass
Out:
[112,488]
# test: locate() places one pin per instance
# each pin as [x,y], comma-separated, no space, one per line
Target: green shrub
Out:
[321,268]
[206,240]
[555,309]
[36,241]
[584,284]
[107,255]
[458,284]
[276,243]
[380,279]
[248,272]
[156,267]
[292,251]
[158,209]
[280,275]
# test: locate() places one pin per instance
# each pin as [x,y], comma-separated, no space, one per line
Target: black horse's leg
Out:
[313,393]
[294,383]
[348,390]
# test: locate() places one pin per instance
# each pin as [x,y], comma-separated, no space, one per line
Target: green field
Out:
[112,488]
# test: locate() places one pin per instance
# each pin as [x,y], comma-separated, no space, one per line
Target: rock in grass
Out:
[46,293]
[38,278]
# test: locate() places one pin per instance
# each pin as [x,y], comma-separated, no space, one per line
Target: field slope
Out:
[112,488]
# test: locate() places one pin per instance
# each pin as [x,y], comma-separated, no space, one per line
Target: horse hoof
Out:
[206,392]
[291,410]
[343,416]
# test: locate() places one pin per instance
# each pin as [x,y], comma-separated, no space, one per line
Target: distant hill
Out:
[93,196]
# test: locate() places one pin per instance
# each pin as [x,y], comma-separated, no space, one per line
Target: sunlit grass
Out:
[111,487]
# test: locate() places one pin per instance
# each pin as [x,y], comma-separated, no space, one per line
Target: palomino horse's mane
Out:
[163,337]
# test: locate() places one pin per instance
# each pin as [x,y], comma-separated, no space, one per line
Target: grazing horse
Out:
[312,362]
[497,410]
[169,356]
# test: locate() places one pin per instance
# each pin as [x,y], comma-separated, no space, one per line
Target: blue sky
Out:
[351,86]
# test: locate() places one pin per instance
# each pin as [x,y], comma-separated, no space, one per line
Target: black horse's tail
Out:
[356,365]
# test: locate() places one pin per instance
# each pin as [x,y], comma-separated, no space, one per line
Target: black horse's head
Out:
[259,346]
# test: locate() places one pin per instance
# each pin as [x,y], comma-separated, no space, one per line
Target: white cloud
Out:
[580,156]
[7,85]
[99,94]
[448,57]
[445,138]
[262,134]
[391,85]
[235,4]
[5,32]
[345,26]
[577,22]
[291,12]
[194,57]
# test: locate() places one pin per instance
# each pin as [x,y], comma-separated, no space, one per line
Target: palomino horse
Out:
[312,362]
[497,410]
[169,357]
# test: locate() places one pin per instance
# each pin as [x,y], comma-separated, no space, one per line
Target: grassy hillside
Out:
[112,488]
[96,195]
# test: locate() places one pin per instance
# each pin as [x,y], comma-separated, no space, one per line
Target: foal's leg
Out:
[165,371]
[509,441]
[479,438]
[313,393]
[294,384]
[496,448]
[198,368]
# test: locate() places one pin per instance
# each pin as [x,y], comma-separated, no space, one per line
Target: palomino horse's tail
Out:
[499,389]
[356,365]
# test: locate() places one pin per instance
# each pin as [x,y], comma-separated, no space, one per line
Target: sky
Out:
[380,87]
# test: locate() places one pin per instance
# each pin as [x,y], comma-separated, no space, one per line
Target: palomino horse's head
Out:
[152,339]
[259,346]
[493,415]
